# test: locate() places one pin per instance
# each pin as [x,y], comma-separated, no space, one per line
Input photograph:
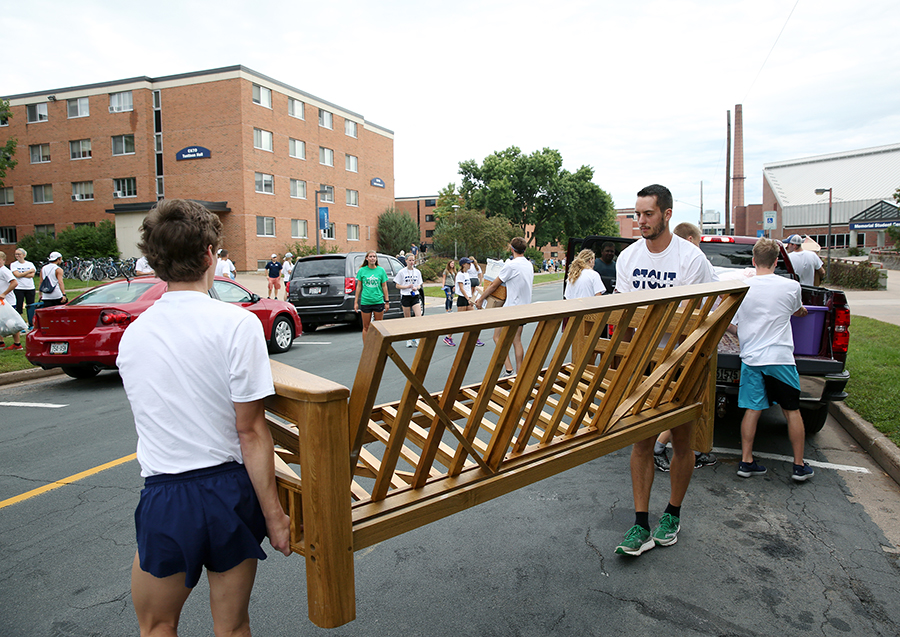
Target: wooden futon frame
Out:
[599,374]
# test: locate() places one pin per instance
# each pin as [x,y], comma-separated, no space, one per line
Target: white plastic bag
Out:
[11,322]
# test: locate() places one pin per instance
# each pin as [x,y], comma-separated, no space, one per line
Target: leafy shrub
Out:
[84,242]
[536,256]
[433,268]
[301,249]
[860,276]
[855,252]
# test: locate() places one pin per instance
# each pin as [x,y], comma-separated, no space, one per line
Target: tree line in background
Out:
[499,198]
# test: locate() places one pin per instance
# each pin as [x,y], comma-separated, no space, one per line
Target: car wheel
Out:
[81,372]
[282,335]
[814,419]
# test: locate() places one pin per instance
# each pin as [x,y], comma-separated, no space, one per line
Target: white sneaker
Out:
[409,343]
[416,343]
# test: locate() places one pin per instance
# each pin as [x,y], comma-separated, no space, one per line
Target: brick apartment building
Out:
[253,148]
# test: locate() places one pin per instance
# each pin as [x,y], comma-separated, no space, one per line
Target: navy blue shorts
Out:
[207,517]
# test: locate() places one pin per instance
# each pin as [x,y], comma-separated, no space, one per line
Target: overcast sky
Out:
[637,90]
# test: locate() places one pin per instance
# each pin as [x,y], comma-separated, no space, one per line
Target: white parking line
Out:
[315,342]
[775,456]
[43,405]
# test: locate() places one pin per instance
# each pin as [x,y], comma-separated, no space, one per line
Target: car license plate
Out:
[59,348]
[313,290]
[732,376]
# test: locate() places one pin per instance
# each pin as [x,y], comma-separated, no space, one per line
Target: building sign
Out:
[378,182]
[874,225]
[193,152]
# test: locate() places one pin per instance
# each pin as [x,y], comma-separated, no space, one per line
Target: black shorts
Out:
[368,309]
[408,300]
[462,301]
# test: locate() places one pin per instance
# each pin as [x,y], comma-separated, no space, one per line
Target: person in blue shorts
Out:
[768,373]
[196,390]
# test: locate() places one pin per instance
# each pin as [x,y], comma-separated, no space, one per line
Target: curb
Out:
[873,442]
[27,374]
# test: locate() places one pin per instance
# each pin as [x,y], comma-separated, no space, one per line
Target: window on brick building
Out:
[8,234]
[328,195]
[36,113]
[263,139]
[80,149]
[40,153]
[325,118]
[47,228]
[351,163]
[352,197]
[42,193]
[352,232]
[298,229]
[326,156]
[296,108]
[265,226]
[262,96]
[6,196]
[350,128]
[123,145]
[430,203]
[298,189]
[265,183]
[429,234]
[124,187]
[297,148]
[328,233]
[78,107]
[429,218]
[82,190]
[121,102]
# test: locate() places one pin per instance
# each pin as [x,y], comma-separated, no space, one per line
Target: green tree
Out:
[471,233]
[8,149]
[89,242]
[535,190]
[396,231]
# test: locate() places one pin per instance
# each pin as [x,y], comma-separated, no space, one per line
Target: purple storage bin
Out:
[808,330]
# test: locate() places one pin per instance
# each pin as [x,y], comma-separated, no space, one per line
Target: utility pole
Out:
[728,180]
[701,207]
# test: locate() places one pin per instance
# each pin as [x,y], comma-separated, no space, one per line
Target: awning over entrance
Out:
[882,215]
[145,206]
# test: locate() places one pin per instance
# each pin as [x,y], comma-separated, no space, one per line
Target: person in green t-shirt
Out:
[371,292]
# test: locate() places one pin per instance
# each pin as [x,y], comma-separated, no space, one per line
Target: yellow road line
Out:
[65,481]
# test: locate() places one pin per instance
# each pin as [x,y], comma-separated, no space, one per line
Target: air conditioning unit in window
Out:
[77,197]
[118,194]
[45,157]
[114,109]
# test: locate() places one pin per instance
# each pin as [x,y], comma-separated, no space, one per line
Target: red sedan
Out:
[83,336]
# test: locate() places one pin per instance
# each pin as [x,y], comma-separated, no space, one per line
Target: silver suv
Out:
[323,288]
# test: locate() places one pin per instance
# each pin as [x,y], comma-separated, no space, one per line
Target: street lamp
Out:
[318,232]
[455,230]
[822,191]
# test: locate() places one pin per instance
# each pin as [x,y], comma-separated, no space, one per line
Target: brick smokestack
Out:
[737,188]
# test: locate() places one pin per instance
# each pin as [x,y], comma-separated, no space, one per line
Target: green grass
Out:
[438,292]
[873,360]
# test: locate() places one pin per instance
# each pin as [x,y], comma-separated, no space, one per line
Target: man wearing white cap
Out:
[53,275]
[287,266]
[273,270]
[805,262]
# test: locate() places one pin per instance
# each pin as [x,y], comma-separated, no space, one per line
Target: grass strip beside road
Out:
[873,360]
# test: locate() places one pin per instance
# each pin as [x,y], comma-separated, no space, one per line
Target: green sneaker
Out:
[637,540]
[666,532]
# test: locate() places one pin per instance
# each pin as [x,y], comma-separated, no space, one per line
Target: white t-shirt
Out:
[407,276]
[142,265]
[587,284]
[463,280]
[183,376]
[805,264]
[5,278]
[286,268]
[224,267]
[681,263]
[764,320]
[518,275]
[25,282]
[50,270]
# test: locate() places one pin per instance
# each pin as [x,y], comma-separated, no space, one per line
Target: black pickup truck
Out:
[820,357]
